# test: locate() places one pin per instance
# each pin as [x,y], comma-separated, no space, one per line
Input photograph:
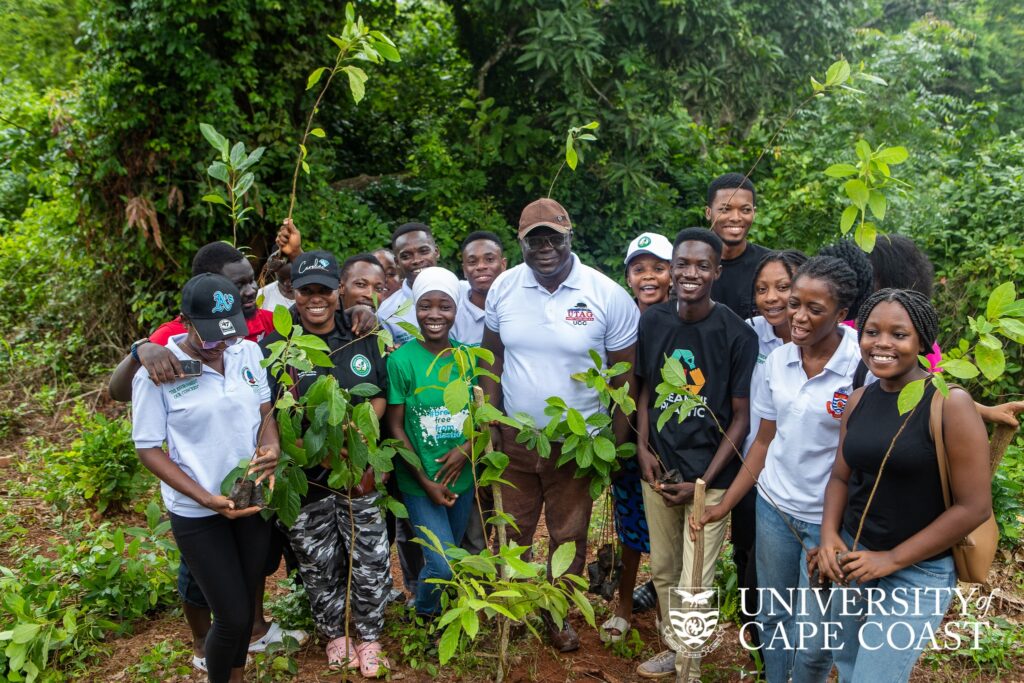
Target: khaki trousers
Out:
[672,550]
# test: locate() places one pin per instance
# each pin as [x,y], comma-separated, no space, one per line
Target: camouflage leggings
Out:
[321,538]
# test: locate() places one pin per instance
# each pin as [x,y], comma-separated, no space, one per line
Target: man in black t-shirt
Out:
[718,352]
[730,212]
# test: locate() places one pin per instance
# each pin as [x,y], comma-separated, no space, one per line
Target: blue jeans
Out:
[880,639]
[449,525]
[792,635]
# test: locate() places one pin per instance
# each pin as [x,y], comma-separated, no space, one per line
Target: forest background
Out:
[102,165]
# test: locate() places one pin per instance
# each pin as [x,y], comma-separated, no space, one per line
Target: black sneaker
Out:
[644,597]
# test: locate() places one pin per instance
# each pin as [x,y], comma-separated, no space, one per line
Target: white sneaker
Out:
[661,665]
[276,634]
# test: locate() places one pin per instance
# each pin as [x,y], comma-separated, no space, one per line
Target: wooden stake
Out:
[503,623]
[697,568]
[1002,435]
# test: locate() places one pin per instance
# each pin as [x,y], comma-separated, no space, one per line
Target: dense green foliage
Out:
[103,169]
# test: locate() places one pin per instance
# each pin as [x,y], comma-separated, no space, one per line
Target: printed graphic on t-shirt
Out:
[360,365]
[694,376]
[438,425]
[837,405]
[247,375]
[186,387]
[579,315]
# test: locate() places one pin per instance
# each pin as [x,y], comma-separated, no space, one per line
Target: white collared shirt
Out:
[547,335]
[807,413]
[388,319]
[767,341]
[469,319]
[210,423]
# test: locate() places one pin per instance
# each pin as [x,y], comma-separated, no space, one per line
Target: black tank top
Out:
[909,496]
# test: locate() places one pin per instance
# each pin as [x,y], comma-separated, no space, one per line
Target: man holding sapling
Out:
[542,319]
[717,351]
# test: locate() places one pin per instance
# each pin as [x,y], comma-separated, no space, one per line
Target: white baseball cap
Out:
[649,243]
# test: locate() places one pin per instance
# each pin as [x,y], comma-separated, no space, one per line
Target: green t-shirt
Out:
[432,430]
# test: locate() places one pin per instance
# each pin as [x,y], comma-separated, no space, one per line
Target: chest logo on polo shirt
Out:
[580,314]
[248,377]
[837,405]
[360,365]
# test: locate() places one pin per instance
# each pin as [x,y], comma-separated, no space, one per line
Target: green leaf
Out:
[892,155]
[244,183]
[456,396]
[24,633]
[282,321]
[850,214]
[877,203]
[219,171]
[604,449]
[863,150]
[857,191]
[305,167]
[218,141]
[940,383]
[1000,297]
[583,604]
[1012,328]
[840,170]
[318,133]
[237,154]
[356,82]
[470,623]
[387,51]
[910,396]
[571,158]
[314,77]
[253,157]
[990,361]
[959,368]
[365,390]
[449,641]
[990,341]
[865,236]
[593,125]
[562,558]
[576,422]
[214,199]
[838,72]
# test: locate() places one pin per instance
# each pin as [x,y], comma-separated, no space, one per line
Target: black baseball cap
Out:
[214,306]
[316,268]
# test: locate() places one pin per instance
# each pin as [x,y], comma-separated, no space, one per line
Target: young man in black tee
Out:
[718,351]
[731,207]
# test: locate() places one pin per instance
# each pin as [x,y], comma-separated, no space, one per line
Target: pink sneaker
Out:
[341,655]
[372,664]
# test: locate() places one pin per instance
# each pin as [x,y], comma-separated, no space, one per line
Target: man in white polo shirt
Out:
[415,249]
[542,318]
[483,260]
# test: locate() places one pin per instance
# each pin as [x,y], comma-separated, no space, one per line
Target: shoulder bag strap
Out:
[938,400]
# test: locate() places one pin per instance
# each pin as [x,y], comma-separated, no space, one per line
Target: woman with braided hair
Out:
[800,399]
[885,525]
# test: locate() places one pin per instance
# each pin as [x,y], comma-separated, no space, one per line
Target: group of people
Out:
[795,363]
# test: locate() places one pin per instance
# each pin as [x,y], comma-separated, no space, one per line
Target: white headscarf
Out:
[435,279]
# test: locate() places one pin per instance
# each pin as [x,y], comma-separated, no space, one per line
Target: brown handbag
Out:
[974,553]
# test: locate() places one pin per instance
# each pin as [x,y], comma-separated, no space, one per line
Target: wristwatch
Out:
[135,348]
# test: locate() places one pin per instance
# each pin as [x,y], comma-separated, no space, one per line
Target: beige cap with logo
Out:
[544,213]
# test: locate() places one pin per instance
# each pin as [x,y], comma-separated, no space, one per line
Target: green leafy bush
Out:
[101,466]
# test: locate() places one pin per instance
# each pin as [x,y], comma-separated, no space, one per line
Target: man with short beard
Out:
[542,320]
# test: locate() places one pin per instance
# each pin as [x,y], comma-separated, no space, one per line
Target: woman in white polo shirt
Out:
[210,422]
[804,390]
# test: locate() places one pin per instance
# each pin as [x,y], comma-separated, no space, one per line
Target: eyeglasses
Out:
[538,242]
[211,345]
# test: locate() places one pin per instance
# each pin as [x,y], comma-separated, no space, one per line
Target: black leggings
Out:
[227,558]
